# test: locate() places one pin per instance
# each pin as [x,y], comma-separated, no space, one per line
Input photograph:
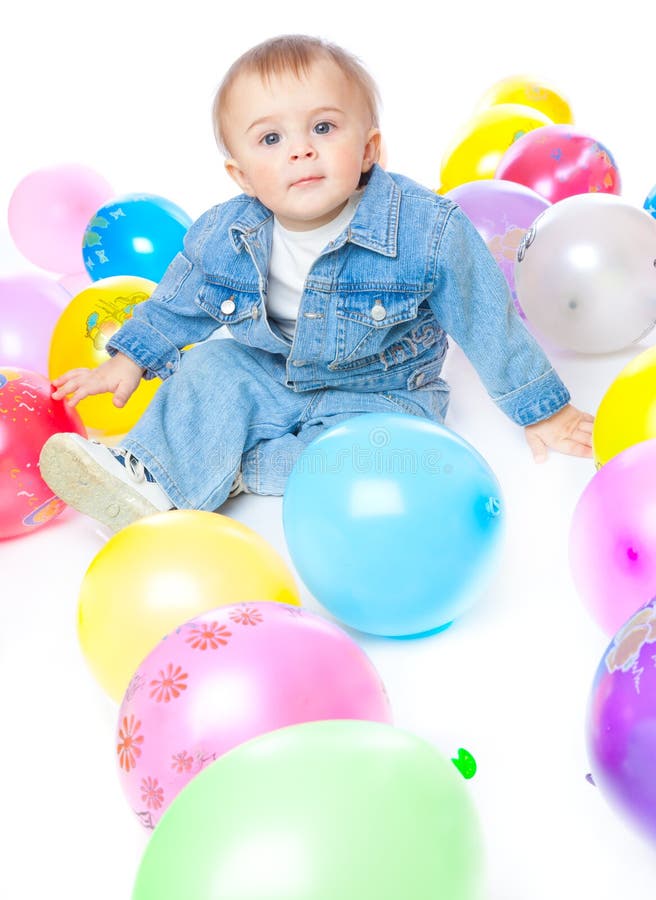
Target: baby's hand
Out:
[567,431]
[119,376]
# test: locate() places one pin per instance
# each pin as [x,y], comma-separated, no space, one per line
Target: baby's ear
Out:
[371,149]
[238,176]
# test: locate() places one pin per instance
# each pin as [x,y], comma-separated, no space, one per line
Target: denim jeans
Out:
[371,336]
[228,406]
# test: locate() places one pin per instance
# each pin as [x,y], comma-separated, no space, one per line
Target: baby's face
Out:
[299,145]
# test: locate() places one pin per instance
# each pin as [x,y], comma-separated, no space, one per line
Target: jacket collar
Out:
[373,226]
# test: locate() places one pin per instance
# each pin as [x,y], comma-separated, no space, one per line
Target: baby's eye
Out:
[271,138]
[323,127]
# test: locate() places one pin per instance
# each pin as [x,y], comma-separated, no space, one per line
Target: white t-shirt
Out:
[292,256]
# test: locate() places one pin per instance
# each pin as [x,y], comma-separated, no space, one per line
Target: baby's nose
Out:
[302,151]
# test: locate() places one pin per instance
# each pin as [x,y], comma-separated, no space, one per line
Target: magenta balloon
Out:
[557,161]
[49,211]
[621,722]
[30,306]
[228,676]
[612,547]
[501,212]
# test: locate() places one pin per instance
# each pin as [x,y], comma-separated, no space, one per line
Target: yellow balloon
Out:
[476,151]
[161,571]
[627,412]
[79,340]
[528,92]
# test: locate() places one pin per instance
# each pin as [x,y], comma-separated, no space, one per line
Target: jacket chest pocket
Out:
[367,322]
[229,306]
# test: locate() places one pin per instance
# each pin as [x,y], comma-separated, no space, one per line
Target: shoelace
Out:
[238,486]
[135,466]
[140,473]
[132,465]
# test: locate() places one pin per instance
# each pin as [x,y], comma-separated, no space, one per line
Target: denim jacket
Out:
[376,309]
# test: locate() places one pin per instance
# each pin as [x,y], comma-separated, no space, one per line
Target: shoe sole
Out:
[83,484]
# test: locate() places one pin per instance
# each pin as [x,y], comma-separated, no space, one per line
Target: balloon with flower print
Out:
[228,676]
[163,570]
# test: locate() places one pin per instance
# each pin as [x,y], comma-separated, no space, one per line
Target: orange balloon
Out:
[79,340]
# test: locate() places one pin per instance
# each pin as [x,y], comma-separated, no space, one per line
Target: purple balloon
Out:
[612,541]
[501,212]
[30,306]
[621,725]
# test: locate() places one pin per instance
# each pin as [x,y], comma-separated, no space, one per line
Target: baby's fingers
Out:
[537,446]
[79,386]
[582,436]
[84,390]
[66,386]
[574,447]
[122,393]
[68,376]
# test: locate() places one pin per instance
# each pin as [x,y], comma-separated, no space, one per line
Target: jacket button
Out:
[255,312]
[228,307]
[378,312]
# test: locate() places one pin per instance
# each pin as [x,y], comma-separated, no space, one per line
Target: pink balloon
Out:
[228,676]
[49,212]
[612,547]
[75,282]
[30,306]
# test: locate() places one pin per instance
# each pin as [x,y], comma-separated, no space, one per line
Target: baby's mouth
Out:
[311,179]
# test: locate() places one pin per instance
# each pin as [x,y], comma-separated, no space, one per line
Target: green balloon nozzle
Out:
[465,763]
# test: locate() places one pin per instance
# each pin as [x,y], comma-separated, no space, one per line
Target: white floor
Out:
[510,680]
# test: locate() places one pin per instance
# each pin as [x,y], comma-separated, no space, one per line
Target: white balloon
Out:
[585,273]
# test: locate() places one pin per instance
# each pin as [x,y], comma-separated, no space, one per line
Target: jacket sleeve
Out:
[170,319]
[472,303]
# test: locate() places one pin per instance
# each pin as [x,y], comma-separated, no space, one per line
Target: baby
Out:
[338,283]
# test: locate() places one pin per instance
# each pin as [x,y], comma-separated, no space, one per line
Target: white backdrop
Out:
[126,88]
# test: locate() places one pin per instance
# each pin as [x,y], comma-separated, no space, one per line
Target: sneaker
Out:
[109,485]
[238,486]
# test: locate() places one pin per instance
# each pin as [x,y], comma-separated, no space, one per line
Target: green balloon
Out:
[331,810]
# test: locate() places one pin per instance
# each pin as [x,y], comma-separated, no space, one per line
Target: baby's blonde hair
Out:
[292,53]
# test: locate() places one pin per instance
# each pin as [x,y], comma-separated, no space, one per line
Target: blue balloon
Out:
[650,202]
[393,522]
[138,234]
